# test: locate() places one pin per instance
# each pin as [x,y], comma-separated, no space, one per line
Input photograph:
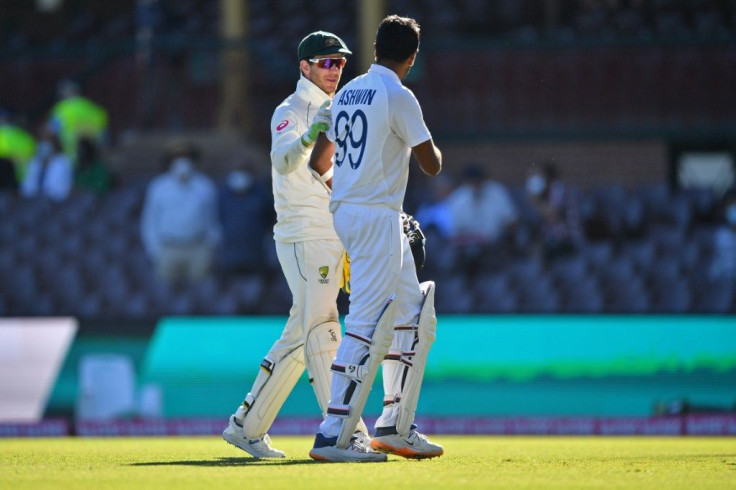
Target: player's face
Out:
[325,74]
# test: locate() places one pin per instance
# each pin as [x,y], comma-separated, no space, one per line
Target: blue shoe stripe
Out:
[322,441]
[389,431]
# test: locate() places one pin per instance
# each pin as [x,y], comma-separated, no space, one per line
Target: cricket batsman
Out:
[377,126]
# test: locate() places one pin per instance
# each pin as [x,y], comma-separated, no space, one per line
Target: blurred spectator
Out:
[75,117]
[559,230]
[434,214]
[16,150]
[49,172]
[180,228]
[724,241]
[484,220]
[246,216]
[90,172]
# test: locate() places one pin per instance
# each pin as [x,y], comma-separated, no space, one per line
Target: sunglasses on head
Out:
[328,63]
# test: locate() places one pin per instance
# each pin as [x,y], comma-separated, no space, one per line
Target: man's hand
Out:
[320,124]
[320,161]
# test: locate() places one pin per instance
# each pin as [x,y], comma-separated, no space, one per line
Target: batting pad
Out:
[366,373]
[270,390]
[425,335]
[321,347]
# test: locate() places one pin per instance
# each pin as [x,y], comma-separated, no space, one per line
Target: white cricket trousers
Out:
[313,296]
[381,264]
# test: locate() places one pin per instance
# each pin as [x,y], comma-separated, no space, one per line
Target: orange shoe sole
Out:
[317,457]
[403,452]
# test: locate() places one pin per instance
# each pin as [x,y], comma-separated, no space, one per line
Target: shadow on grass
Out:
[230,462]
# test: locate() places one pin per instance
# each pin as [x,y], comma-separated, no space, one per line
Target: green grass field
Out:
[469,462]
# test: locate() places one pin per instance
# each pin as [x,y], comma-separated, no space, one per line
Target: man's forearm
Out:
[287,158]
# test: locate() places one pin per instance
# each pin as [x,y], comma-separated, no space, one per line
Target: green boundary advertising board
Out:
[490,365]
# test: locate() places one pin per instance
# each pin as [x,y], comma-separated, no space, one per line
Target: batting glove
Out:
[320,124]
[416,239]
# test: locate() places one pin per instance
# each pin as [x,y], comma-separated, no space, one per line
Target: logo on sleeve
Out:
[282,125]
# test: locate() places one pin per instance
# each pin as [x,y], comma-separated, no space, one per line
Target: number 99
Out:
[346,134]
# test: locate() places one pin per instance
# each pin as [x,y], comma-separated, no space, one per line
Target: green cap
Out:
[321,43]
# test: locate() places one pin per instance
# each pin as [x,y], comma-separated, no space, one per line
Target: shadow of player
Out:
[220,462]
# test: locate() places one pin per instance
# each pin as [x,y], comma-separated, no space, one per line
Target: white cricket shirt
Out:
[300,200]
[376,123]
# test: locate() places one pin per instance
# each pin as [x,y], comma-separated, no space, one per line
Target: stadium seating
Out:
[87,260]
[494,294]
[712,295]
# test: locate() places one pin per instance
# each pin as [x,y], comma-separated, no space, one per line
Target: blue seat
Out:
[21,284]
[248,291]
[542,300]
[626,296]
[666,238]
[597,253]
[664,270]
[68,288]
[277,296]
[586,298]
[617,274]
[182,303]
[225,304]
[500,303]
[640,252]
[493,294]
[523,271]
[91,306]
[570,268]
[712,295]
[671,297]
[454,296]
[537,294]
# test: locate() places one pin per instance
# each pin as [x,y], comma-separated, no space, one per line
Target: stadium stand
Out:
[86,259]
[648,246]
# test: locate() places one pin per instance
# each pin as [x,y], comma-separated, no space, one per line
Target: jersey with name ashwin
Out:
[376,122]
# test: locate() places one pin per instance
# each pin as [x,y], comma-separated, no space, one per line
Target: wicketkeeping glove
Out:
[416,239]
[320,124]
[345,281]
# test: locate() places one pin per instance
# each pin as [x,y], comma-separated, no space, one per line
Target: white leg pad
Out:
[395,368]
[364,374]
[272,386]
[425,335]
[320,350]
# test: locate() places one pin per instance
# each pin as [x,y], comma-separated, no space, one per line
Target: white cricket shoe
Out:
[363,438]
[415,446]
[258,448]
[325,449]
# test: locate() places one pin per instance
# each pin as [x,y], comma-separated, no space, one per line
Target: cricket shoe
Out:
[415,446]
[258,448]
[325,449]
[363,438]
